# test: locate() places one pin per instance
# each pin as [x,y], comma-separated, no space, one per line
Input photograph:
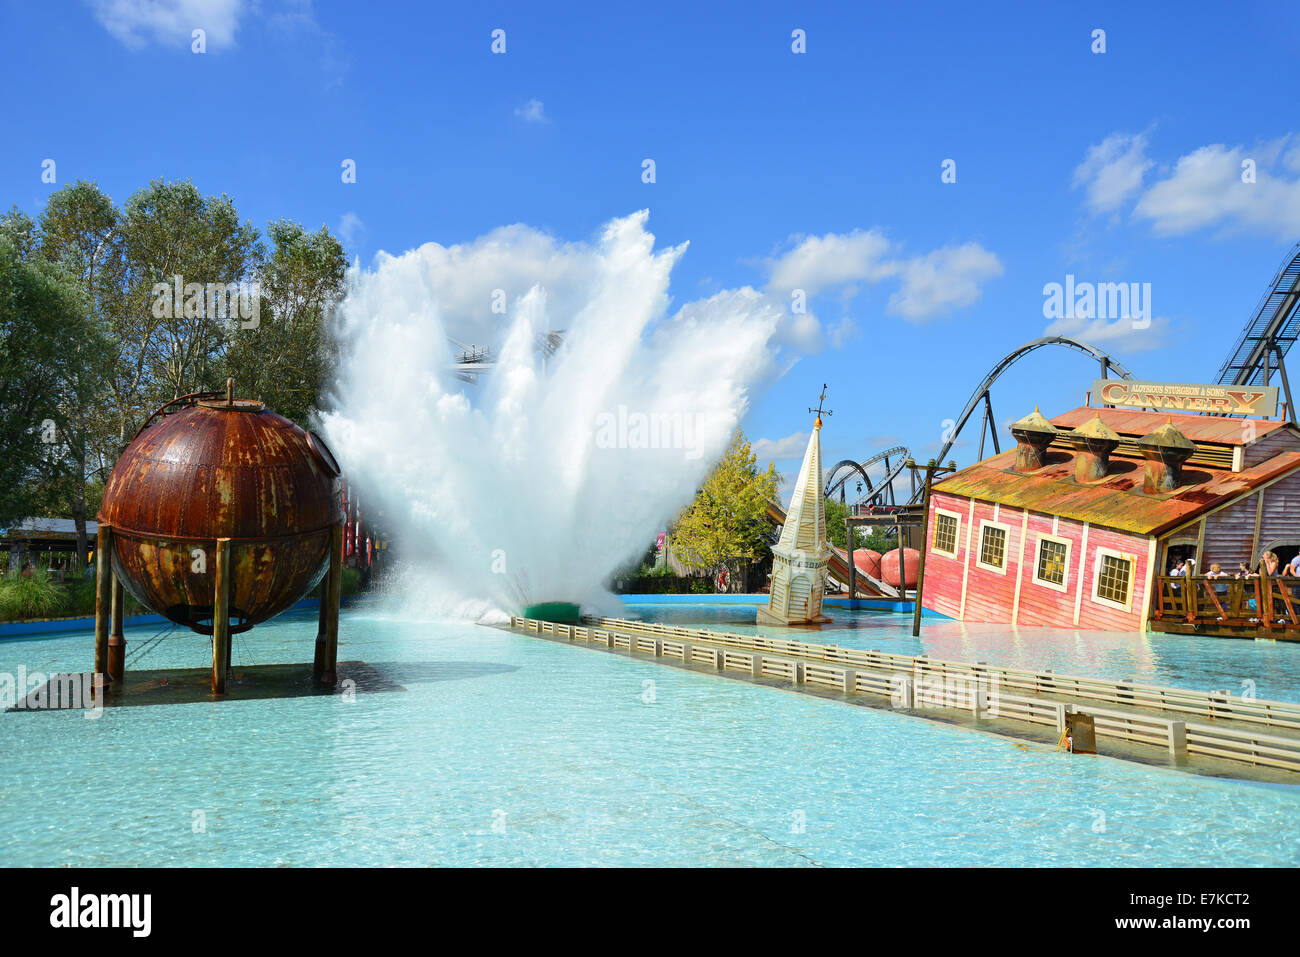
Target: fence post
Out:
[1178,738]
[1217,697]
[1061,710]
[798,677]
[903,694]
[850,681]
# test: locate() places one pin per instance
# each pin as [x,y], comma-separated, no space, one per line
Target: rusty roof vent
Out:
[1093,442]
[1033,434]
[1165,449]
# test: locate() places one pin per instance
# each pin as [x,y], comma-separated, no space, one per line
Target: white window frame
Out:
[1096,578]
[1069,549]
[956,540]
[1006,548]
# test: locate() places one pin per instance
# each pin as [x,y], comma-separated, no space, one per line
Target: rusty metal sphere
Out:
[218,468]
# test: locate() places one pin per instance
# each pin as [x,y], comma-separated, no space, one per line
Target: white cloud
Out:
[1203,189]
[931,285]
[532,112]
[792,446]
[1117,335]
[1206,189]
[351,229]
[943,281]
[1112,170]
[169,22]
[821,261]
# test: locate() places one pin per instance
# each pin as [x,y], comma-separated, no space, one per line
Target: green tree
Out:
[728,522]
[880,539]
[78,229]
[169,230]
[288,358]
[44,328]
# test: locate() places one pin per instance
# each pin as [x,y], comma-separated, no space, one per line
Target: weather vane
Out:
[821,400]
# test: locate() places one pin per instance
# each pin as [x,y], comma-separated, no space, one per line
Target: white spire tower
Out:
[799,559]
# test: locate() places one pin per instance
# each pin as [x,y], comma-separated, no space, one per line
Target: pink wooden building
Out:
[1074,527]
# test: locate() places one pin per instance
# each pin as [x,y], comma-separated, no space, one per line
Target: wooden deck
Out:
[1229,607]
[1232,735]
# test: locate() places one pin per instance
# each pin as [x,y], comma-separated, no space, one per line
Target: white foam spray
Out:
[552,472]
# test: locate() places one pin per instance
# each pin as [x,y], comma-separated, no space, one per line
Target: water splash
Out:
[552,472]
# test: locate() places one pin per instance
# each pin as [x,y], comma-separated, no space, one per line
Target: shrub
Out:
[32,597]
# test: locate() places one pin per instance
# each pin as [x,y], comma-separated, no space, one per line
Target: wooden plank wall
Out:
[1282,440]
[1230,535]
[990,597]
[1281,516]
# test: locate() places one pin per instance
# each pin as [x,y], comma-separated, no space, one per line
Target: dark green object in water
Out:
[561,611]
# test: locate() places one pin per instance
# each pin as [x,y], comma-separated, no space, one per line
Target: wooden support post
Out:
[221,617]
[116,637]
[333,596]
[930,471]
[103,598]
[322,620]
[853,571]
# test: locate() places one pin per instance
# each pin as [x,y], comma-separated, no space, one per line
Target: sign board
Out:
[1187,397]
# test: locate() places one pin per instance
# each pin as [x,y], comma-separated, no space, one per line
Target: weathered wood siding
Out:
[989,594]
[1229,535]
[992,597]
[1042,604]
[943,575]
[1092,613]
[1281,518]
[1283,440]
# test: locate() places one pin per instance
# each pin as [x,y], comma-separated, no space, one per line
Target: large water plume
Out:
[538,481]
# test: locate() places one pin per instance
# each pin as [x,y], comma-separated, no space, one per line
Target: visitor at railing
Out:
[1216,571]
[1178,571]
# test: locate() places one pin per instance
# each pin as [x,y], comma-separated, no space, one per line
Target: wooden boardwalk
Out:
[1214,729]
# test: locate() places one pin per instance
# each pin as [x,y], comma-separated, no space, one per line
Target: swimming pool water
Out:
[506,749]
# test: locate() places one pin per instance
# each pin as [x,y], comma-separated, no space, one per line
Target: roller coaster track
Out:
[1109,364]
[835,482]
[1269,333]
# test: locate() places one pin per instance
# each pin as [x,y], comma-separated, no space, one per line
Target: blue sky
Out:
[819,170]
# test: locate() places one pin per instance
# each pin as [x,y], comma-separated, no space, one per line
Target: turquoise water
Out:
[512,750]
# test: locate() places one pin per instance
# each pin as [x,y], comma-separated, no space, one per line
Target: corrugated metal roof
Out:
[1199,428]
[46,527]
[1118,500]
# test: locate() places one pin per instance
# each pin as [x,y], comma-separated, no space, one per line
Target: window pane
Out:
[1051,562]
[993,546]
[1113,580]
[945,533]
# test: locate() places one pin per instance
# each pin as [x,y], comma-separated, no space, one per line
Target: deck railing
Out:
[1261,603]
